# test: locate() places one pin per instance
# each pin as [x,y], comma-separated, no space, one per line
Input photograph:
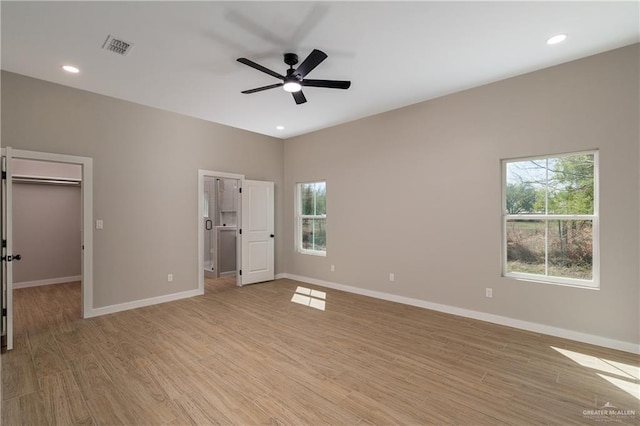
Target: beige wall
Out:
[46,232]
[146,165]
[416,192]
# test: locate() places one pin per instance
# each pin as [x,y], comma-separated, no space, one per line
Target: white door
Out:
[7,247]
[257,232]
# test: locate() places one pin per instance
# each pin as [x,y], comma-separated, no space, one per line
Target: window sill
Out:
[564,282]
[313,253]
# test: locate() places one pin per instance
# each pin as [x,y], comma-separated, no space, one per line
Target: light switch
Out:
[99,224]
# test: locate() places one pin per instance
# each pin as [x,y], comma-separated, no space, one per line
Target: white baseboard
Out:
[96,312]
[482,316]
[37,283]
[280,276]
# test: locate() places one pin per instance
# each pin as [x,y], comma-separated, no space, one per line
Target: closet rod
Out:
[46,180]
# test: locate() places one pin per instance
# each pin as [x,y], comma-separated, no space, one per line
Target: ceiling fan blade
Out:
[313,60]
[260,68]
[299,97]
[330,84]
[260,89]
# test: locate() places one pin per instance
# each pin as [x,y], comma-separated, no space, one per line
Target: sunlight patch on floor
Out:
[612,367]
[308,297]
[627,377]
[631,388]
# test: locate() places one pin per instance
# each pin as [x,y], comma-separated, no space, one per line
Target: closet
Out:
[47,222]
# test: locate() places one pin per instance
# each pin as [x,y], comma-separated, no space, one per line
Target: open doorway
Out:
[47,242]
[218,229]
[11,257]
[220,226]
[252,211]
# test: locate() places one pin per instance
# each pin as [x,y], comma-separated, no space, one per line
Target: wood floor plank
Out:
[145,398]
[27,410]
[73,344]
[195,410]
[18,375]
[104,400]
[63,401]
[46,353]
[248,355]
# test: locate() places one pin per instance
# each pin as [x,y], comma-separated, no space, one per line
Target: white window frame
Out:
[594,282]
[300,217]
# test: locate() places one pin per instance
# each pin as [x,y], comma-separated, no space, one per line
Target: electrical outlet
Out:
[392,277]
[488,292]
[333,268]
[170,278]
[99,224]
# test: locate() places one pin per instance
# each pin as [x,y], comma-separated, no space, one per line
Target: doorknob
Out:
[17,257]
[272,236]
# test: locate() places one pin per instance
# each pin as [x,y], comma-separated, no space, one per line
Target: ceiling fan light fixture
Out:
[292,86]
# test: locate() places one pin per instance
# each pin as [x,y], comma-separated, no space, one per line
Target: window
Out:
[550,220]
[311,218]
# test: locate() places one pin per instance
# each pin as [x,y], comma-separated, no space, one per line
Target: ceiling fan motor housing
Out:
[290,59]
[292,76]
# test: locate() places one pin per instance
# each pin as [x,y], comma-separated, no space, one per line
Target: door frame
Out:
[86,187]
[213,174]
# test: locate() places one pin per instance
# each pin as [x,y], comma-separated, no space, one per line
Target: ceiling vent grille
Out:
[117,45]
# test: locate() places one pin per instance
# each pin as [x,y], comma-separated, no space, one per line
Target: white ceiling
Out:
[395,53]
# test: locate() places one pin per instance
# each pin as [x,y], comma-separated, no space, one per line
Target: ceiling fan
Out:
[295,79]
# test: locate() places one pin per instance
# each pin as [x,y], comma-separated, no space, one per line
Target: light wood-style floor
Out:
[251,356]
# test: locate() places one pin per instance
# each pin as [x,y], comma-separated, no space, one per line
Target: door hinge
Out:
[240,190]
[4,312]
[240,271]
[240,230]
[4,175]
[4,243]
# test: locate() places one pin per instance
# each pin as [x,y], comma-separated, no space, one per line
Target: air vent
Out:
[117,45]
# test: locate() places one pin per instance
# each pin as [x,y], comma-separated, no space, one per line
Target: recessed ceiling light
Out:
[280,127]
[71,69]
[558,38]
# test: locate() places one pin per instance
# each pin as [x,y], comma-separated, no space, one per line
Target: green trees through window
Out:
[550,217]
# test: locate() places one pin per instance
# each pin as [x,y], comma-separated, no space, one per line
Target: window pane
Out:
[314,235]
[320,190]
[307,199]
[313,198]
[526,246]
[571,185]
[571,248]
[526,187]
[556,185]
